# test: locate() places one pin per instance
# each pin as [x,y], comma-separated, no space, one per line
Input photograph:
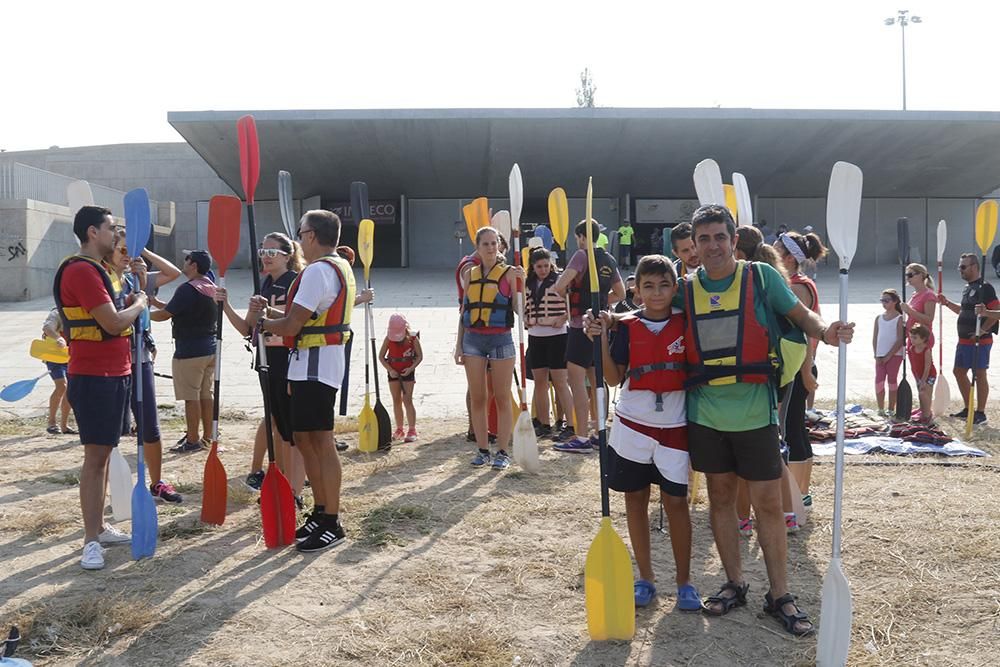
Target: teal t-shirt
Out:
[742,406]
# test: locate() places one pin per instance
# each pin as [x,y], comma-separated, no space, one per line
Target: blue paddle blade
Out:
[137,221]
[18,390]
[545,234]
[144,521]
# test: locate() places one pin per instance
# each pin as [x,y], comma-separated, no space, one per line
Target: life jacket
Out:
[799,279]
[725,342]
[400,354]
[332,327]
[276,293]
[656,361]
[579,289]
[544,308]
[78,323]
[485,305]
[465,261]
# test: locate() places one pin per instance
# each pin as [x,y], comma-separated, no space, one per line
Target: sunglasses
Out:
[887,300]
[300,232]
[910,275]
[123,250]
[270,252]
[963,267]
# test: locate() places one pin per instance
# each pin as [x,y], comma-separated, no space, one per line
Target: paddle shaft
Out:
[218,365]
[263,371]
[940,318]
[521,296]
[838,495]
[137,379]
[371,338]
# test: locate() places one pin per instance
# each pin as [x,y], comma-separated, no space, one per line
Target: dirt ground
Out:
[450,565]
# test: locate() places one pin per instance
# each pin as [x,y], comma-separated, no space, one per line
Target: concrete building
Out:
[422,166]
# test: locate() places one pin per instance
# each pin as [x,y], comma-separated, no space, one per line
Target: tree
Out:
[587,91]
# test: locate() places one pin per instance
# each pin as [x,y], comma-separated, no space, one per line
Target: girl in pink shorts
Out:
[888,339]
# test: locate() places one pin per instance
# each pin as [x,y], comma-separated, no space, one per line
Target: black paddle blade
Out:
[384,426]
[904,401]
[903,238]
[359,201]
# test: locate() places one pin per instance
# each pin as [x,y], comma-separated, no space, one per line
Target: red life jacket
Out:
[656,361]
[465,261]
[400,354]
[799,279]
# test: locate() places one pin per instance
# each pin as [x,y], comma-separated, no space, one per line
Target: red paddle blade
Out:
[277,509]
[249,155]
[213,499]
[224,229]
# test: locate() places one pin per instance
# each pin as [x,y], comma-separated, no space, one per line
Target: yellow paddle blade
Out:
[525,254]
[730,192]
[366,243]
[481,212]
[591,262]
[986,225]
[47,349]
[559,216]
[367,428]
[608,586]
[470,221]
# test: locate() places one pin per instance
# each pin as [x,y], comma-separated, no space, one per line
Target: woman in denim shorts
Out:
[484,336]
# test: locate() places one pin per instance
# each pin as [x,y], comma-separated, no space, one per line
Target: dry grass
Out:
[41,524]
[388,524]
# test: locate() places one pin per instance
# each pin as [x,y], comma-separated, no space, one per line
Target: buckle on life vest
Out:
[659,402]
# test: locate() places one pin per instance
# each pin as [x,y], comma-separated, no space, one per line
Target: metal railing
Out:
[21,181]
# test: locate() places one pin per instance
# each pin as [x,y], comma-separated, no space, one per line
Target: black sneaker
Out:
[543,431]
[300,504]
[254,480]
[311,524]
[492,439]
[564,435]
[324,537]
[185,446]
[978,417]
[535,423]
[961,414]
[341,446]
[470,436]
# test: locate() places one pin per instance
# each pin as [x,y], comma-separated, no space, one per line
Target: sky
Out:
[87,73]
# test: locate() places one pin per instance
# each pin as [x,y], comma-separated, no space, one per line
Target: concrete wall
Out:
[34,238]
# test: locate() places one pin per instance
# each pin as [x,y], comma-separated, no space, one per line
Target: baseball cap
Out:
[201,259]
[397,328]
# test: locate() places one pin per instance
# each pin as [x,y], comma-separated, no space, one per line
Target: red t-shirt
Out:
[917,303]
[81,285]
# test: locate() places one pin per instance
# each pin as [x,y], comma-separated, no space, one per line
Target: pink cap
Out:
[397,328]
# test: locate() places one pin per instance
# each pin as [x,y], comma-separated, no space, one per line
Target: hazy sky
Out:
[80,73]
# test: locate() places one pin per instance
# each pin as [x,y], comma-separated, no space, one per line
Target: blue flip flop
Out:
[688,598]
[645,591]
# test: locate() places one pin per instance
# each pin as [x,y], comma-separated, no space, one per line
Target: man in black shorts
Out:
[316,326]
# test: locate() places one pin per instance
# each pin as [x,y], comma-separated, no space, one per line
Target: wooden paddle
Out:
[843,211]
[286,205]
[223,243]
[607,574]
[525,442]
[144,523]
[744,208]
[708,183]
[277,502]
[368,435]
[986,229]
[559,217]
[942,392]
[904,395]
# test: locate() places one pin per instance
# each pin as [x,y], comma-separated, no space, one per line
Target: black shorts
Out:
[150,417]
[627,476]
[100,405]
[579,348]
[281,402]
[754,455]
[412,377]
[313,406]
[547,352]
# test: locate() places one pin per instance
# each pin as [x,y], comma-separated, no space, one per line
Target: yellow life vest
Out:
[333,326]
[78,323]
[485,305]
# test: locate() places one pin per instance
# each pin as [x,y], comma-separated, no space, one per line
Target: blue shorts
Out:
[964,353]
[492,346]
[56,371]
[100,405]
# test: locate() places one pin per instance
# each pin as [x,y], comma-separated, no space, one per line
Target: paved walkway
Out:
[428,299]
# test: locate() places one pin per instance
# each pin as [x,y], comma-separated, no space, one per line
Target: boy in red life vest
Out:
[648,443]
[400,355]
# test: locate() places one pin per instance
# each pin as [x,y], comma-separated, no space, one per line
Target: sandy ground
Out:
[449,565]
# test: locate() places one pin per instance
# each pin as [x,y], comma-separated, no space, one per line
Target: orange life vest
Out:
[332,327]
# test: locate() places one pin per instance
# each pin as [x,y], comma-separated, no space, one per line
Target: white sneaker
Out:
[112,535]
[93,556]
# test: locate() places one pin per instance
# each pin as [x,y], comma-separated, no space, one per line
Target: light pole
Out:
[903,20]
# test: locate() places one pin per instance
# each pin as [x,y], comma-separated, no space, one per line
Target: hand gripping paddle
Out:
[524,439]
[904,395]
[223,243]
[277,504]
[942,392]
[607,575]
[144,523]
[367,422]
[986,229]
[843,211]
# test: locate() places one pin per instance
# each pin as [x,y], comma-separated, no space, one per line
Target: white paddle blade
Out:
[843,211]
[526,444]
[942,239]
[942,396]
[286,205]
[835,618]
[501,222]
[516,197]
[743,207]
[79,194]
[708,183]
[120,485]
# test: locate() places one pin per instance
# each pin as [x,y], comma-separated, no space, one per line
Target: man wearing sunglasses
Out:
[970,353]
[192,312]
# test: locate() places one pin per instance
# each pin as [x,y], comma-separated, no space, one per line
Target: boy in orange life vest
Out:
[400,355]
[648,442]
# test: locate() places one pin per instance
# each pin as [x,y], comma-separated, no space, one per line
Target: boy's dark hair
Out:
[581,229]
[711,213]
[326,225]
[87,217]
[679,233]
[655,265]
[920,330]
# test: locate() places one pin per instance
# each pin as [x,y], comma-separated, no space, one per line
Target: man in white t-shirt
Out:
[317,326]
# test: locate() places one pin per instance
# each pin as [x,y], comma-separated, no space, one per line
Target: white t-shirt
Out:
[318,287]
[639,405]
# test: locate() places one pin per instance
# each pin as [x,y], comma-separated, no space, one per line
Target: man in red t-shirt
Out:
[97,323]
